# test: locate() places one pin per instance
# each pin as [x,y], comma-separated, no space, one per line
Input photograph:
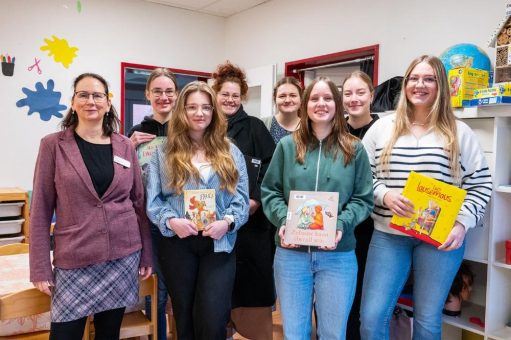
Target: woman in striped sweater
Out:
[424,136]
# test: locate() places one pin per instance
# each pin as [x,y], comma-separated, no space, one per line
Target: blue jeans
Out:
[328,278]
[162,290]
[389,262]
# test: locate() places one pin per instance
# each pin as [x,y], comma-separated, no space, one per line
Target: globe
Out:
[465,55]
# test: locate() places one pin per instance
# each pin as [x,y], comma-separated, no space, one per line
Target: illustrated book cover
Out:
[200,207]
[436,205]
[145,152]
[312,218]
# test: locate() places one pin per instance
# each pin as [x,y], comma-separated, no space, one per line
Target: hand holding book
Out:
[398,204]
[216,230]
[182,227]
[455,238]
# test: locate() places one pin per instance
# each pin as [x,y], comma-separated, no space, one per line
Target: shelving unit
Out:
[8,195]
[485,246]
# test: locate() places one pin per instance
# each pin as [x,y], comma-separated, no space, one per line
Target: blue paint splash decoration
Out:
[45,101]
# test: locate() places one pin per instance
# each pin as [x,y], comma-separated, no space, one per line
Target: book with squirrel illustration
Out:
[144,153]
[436,205]
[312,218]
[200,207]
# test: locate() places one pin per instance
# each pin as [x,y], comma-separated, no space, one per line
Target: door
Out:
[260,90]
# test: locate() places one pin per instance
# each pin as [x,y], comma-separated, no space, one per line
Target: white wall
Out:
[286,30]
[106,33]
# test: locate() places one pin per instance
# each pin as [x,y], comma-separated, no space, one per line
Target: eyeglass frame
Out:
[234,97]
[427,80]
[155,92]
[100,96]
[188,107]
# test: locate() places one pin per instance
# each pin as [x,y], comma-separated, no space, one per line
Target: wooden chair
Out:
[25,303]
[14,248]
[136,324]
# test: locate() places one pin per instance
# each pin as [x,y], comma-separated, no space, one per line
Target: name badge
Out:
[122,161]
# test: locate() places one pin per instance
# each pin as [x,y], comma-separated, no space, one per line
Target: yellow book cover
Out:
[312,218]
[436,204]
[200,207]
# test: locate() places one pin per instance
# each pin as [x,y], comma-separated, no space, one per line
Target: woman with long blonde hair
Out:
[424,136]
[198,265]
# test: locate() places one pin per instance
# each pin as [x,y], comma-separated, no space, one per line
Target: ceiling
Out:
[221,8]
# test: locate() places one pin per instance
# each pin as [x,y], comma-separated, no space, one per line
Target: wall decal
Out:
[45,101]
[60,50]
[36,64]
[7,65]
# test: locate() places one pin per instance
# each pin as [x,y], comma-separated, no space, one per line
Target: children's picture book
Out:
[312,218]
[200,207]
[145,152]
[436,205]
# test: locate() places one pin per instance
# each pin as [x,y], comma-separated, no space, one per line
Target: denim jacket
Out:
[163,203]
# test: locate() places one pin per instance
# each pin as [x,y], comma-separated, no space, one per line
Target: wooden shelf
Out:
[501,334]
[18,194]
[503,188]
[486,111]
[468,310]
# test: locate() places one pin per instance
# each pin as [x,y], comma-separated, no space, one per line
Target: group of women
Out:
[224,275]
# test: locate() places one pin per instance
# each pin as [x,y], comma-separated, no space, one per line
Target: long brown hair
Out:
[111,120]
[180,148]
[339,138]
[441,113]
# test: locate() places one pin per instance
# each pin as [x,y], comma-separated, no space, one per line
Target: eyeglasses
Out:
[414,80]
[192,109]
[84,96]
[234,97]
[159,92]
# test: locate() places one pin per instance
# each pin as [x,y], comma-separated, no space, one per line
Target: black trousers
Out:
[200,284]
[107,325]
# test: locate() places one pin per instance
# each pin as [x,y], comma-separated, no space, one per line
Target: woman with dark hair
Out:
[89,175]
[161,91]
[254,292]
[198,265]
[320,156]
[424,136]
[287,96]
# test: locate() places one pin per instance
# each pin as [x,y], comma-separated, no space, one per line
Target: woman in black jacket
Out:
[254,293]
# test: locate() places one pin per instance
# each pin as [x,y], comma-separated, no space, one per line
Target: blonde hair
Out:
[442,118]
[180,148]
[338,139]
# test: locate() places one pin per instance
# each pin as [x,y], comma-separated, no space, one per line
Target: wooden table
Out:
[14,271]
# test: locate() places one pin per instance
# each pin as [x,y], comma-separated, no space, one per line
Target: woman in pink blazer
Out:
[89,175]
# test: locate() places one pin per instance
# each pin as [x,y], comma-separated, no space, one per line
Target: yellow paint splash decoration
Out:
[60,50]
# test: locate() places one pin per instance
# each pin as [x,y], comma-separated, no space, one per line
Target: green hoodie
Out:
[320,172]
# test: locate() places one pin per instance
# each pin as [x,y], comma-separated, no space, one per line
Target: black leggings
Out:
[107,325]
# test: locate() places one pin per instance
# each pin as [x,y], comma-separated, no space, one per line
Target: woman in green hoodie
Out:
[320,156]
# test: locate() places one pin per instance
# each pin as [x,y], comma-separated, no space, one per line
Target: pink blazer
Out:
[89,229]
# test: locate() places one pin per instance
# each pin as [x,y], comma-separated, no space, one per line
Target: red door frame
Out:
[124,66]
[292,68]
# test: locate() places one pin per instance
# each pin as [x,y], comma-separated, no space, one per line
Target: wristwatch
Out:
[230,222]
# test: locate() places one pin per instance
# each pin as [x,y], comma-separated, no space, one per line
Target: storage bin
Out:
[11,226]
[8,240]
[9,209]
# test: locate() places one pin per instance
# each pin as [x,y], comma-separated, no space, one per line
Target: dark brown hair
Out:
[111,120]
[288,80]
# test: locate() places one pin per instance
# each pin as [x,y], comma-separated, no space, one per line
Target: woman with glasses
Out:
[89,175]
[253,294]
[287,96]
[161,91]
[198,265]
[425,136]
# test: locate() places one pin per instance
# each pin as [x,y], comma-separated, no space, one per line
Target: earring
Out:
[73,112]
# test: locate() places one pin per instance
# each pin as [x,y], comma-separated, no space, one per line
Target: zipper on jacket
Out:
[317,173]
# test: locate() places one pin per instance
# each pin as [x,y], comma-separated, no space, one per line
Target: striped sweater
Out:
[426,155]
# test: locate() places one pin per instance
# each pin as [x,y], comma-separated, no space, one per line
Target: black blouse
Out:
[98,159]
